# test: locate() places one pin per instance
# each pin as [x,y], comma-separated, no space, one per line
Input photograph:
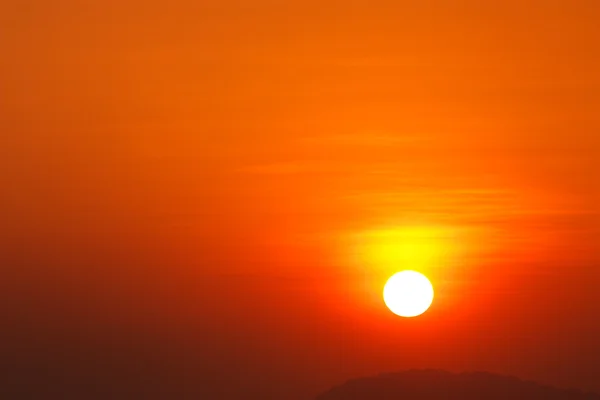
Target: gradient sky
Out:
[206,197]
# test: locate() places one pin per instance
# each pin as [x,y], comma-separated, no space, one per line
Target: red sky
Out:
[210,195]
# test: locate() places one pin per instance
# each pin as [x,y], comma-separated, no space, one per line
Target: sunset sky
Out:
[205,198]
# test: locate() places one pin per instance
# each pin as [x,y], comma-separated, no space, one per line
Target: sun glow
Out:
[418,248]
[408,294]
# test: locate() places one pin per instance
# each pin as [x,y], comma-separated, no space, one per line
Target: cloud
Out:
[364,139]
[288,168]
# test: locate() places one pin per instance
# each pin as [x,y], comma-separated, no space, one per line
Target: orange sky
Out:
[224,186]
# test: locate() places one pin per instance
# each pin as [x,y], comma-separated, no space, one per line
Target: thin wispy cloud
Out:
[364,139]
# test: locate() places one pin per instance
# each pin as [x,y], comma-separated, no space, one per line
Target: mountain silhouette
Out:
[437,385]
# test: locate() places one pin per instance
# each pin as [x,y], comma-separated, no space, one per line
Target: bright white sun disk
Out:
[408,293]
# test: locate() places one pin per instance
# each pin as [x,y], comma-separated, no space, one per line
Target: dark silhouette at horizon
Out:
[438,384]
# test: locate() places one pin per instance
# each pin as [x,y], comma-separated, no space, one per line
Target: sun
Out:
[408,293]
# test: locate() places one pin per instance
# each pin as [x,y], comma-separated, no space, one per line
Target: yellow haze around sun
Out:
[421,249]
